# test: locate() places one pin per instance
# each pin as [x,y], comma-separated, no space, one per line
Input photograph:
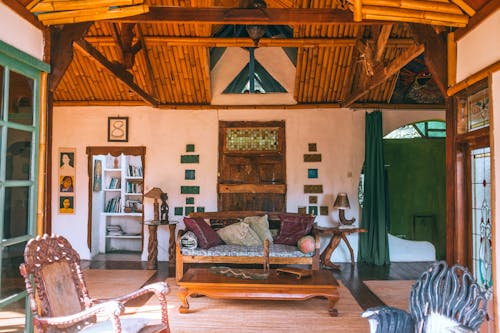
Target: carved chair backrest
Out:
[59,287]
[448,293]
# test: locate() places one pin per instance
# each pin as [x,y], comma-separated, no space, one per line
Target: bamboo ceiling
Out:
[348,52]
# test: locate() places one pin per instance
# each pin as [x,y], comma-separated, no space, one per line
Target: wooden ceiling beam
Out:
[382,74]
[120,74]
[124,39]
[435,53]
[61,52]
[262,16]
[247,42]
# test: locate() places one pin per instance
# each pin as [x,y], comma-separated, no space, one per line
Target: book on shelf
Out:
[134,171]
[114,183]
[113,205]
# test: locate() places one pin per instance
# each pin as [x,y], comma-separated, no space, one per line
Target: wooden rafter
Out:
[264,16]
[370,53]
[62,50]
[124,40]
[435,53]
[247,42]
[117,71]
[153,88]
[384,73]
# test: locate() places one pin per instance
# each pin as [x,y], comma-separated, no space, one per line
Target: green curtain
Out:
[374,244]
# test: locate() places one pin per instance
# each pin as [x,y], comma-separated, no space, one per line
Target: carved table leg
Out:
[171,245]
[183,294]
[346,241]
[331,306]
[326,255]
[152,247]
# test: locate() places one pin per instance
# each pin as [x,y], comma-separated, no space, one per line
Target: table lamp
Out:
[155,193]
[342,202]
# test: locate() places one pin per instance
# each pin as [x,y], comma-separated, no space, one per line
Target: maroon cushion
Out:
[206,236]
[293,227]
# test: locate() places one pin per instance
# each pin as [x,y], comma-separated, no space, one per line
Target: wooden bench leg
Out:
[183,295]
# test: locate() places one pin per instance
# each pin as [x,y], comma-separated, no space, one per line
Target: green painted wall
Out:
[416,179]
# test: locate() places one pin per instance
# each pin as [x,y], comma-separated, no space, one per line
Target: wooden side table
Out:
[153,243]
[338,234]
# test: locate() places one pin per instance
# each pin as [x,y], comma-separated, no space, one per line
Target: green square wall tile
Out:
[200,209]
[190,174]
[313,210]
[178,211]
[312,173]
[190,190]
[190,148]
[190,158]
[189,201]
[188,210]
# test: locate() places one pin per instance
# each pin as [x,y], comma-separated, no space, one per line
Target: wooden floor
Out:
[351,276]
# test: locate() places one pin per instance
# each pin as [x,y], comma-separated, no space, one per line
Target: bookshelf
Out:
[122,204]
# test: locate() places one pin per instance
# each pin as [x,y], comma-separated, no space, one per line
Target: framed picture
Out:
[118,129]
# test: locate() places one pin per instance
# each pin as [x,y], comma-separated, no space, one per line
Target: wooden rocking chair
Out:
[442,300]
[59,297]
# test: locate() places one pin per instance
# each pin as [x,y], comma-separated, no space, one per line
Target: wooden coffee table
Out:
[201,281]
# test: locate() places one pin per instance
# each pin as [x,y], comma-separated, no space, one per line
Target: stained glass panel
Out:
[252,139]
[478,114]
[481,217]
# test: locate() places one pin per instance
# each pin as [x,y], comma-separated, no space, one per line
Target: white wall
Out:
[479,48]
[19,33]
[338,133]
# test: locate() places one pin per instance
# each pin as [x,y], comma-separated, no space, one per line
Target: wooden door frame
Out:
[113,151]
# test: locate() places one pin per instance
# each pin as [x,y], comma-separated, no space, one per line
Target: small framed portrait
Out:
[66,162]
[66,204]
[66,184]
[118,129]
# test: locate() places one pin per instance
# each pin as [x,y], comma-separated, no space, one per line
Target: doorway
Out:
[252,166]
[116,178]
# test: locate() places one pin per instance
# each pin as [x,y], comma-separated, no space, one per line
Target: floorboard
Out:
[352,276]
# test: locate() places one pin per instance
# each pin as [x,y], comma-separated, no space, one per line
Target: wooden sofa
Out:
[218,220]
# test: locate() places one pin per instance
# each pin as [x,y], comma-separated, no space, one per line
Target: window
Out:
[20,82]
[424,129]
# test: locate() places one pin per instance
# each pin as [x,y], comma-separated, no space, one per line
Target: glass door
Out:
[19,99]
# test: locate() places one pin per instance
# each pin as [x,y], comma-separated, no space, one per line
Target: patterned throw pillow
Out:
[260,225]
[293,227]
[239,234]
[206,236]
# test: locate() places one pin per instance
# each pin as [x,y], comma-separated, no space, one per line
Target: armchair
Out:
[59,298]
[442,300]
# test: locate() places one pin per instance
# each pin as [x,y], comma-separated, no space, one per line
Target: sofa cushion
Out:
[205,235]
[260,225]
[239,234]
[275,250]
[293,227]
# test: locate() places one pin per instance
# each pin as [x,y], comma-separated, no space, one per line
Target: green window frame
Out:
[17,64]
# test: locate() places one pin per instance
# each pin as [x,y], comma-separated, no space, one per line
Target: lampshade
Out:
[342,201]
[154,193]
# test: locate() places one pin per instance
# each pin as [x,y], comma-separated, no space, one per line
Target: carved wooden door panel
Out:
[252,166]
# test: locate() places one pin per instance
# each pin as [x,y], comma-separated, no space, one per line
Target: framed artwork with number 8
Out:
[118,129]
